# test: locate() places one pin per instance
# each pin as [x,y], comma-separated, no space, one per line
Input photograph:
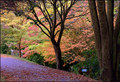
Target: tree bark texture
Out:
[58,56]
[107,71]
[57,50]
[106,38]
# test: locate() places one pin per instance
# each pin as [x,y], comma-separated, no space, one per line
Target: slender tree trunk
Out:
[117,45]
[19,45]
[96,27]
[57,50]
[58,56]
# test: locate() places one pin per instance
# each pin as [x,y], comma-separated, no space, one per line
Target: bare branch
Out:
[34,13]
[43,12]
[72,3]
[73,17]
[57,32]
[55,18]
[40,22]
[37,25]
[77,16]
[49,20]
[60,35]
[42,30]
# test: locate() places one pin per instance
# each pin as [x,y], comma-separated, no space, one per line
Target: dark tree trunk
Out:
[57,50]
[107,71]
[96,28]
[19,45]
[117,63]
[118,70]
[103,29]
[117,45]
[110,19]
[58,56]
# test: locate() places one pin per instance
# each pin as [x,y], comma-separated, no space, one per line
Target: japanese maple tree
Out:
[54,18]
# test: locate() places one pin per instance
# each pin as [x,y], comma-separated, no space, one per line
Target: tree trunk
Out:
[96,28]
[117,45]
[107,71]
[57,50]
[19,49]
[58,56]
[118,71]
[117,63]
[102,30]
[105,38]
[110,19]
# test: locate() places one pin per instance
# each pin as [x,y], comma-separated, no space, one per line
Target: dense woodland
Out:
[69,35]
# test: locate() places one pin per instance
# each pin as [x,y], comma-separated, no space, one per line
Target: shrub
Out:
[4,49]
[91,64]
[52,65]
[37,58]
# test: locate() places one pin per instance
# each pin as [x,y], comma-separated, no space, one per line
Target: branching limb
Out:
[49,20]
[42,30]
[37,25]
[57,32]
[35,15]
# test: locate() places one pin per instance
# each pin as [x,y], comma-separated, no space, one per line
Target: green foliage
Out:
[37,58]
[88,53]
[115,10]
[4,49]
[52,65]
[70,55]
[91,64]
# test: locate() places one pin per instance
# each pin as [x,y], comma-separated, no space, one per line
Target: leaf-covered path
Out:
[18,70]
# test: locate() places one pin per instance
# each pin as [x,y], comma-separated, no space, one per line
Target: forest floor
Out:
[14,69]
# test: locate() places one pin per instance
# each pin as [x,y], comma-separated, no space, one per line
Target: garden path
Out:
[19,70]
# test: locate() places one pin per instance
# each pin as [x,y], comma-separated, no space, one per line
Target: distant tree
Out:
[106,37]
[15,31]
